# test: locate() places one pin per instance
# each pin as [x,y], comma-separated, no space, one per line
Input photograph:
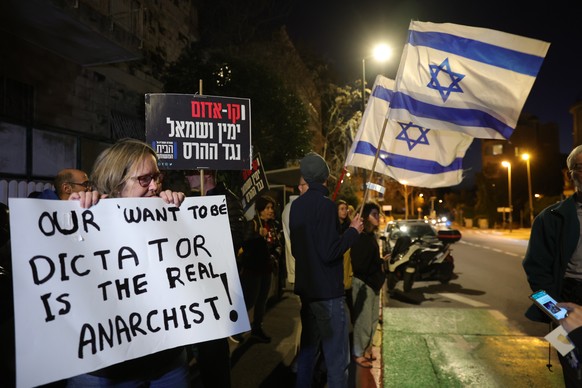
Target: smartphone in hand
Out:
[548,305]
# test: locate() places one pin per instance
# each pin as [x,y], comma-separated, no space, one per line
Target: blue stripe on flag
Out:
[382,93]
[408,163]
[479,51]
[460,116]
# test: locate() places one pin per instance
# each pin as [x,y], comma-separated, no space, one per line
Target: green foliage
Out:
[279,118]
[348,192]
[341,118]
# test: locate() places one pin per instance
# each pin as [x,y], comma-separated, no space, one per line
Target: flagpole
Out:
[374,163]
[201,170]
[339,182]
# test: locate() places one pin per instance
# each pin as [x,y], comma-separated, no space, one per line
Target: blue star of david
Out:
[445,91]
[422,139]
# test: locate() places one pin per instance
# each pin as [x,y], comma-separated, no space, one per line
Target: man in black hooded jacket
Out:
[318,249]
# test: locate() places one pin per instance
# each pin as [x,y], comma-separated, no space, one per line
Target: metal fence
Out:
[20,189]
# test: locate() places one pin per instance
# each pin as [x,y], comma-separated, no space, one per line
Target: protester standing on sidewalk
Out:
[553,260]
[366,285]
[344,224]
[289,259]
[262,250]
[66,182]
[129,169]
[318,249]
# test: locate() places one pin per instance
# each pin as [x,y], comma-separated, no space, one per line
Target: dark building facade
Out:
[540,141]
[73,74]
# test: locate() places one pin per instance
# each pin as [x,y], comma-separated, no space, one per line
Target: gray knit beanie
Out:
[313,168]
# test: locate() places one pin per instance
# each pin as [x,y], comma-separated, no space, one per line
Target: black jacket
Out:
[554,237]
[366,261]
[317,246]
[236,216]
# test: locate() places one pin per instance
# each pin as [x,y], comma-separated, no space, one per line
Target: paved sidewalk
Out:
[462,347]
[448,347]
[256,365]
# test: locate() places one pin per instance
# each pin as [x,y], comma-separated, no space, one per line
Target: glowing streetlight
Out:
[381,52]
[507,165]
[526,157]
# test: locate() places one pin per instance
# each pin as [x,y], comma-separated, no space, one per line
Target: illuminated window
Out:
[497,149]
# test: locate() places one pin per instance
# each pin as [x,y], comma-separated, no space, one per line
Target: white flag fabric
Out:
[421,157]
[466,79]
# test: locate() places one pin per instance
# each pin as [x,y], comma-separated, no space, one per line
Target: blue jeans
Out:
[324,323]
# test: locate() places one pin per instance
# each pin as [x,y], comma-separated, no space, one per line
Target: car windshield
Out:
[416,230]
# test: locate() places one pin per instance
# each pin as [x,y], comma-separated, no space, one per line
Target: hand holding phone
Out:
[548,305]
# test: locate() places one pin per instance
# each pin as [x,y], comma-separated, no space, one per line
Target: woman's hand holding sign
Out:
[87,198]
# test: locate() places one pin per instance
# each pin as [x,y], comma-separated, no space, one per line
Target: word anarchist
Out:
[122,277]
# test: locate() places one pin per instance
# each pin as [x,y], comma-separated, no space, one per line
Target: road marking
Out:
[512,254]
[491,249]
[463,299]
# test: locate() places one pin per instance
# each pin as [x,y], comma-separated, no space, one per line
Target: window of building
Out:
[12,149]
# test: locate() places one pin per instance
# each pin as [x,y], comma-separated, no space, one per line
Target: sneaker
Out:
[237,338]
[260,336]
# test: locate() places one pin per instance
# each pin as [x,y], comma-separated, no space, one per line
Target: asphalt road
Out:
[460,335]
[470,332]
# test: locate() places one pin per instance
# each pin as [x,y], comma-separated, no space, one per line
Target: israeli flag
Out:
[411,154]
[465,79]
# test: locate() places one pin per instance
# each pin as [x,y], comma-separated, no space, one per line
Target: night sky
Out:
[344,31]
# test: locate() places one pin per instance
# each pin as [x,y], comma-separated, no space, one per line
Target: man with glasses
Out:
[67,182]
[553,260]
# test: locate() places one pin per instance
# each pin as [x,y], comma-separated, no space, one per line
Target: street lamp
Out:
[526,157]
[432,212]
[507,165]
[404,183]
[381,52]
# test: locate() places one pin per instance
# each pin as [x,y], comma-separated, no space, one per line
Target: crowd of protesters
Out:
[312,243]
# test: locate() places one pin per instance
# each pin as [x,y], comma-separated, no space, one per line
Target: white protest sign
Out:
[123,279]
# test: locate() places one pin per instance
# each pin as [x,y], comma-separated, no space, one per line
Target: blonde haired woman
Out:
[129,169]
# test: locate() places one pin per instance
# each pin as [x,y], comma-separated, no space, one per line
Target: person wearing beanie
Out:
[313,168]
[318,249]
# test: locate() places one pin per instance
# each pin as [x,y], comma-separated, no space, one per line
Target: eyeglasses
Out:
[88,185]
[145,180]
[577,167]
